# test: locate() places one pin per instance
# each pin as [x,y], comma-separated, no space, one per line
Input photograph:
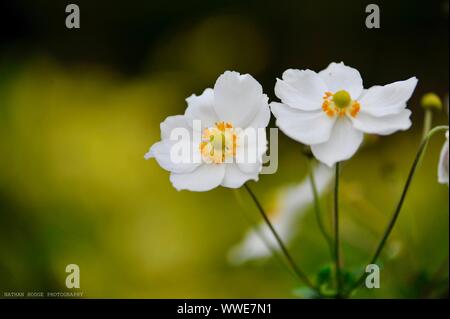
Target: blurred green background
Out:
[79,108]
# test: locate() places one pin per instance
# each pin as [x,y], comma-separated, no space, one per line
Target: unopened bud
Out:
[431,101]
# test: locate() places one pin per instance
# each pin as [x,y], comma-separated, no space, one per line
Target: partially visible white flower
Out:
[226,113]
[290,205]
[331,110]
[443,163]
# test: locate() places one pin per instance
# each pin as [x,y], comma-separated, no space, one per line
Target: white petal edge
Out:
[237,98]
[304,127]
[250,151]
[201,107]
[443,166]
[339,76]
[301,89]
[204,178]
[342,145]
[387,99]
[292,202]
[384,125]
[171,123]
[161,152]
[235,177]
[262,117]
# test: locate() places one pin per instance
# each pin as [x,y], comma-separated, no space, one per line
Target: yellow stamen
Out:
[340,104]
[356,107]
[218,143]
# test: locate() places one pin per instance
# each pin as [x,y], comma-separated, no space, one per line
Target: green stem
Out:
[390,226]
[301,275]
[258,232]
[427,121]
[317,206]
[337,253]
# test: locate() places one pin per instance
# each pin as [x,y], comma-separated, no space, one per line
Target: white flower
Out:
[226,113]
[443,163]
[290,205]
[331,110]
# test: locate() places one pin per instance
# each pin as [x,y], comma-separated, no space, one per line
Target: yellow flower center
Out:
[218,143]
[340,104]
[342,99]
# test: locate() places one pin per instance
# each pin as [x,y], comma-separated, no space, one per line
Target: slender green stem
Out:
[390,226]
[279,257]
[427,121]
[301,275]
[337,252]
[317,209]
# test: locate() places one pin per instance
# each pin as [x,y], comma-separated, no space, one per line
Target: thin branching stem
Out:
[427,122]
[317,208]
[301,275]
[337,251]
[391,224]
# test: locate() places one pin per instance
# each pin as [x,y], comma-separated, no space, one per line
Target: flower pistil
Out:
[218,142]
[340,104]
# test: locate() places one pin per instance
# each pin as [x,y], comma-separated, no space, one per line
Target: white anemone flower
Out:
[331,110]
[443,163]
[221,117]
[290,205]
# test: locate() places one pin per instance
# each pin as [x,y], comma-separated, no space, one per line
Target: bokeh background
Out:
[79,108]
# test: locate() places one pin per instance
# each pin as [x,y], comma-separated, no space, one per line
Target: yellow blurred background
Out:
[75,125]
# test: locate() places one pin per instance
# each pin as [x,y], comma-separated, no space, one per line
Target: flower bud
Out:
[431,101]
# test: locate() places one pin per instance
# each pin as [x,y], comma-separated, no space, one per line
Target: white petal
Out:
[304,127]
[443,164]
[204,178]
[173,122]
[161,151]
[301,89]
[338,77]
[250,168]
[291,205]
[238,98]
[297,198]
[235,178]
[261,118]
[201,108]
[342,145]
[383,125]
[252,246]
[387,99]
[250,150]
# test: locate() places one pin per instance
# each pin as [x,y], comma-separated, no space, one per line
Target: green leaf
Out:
[324,275]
